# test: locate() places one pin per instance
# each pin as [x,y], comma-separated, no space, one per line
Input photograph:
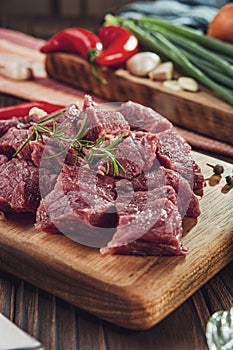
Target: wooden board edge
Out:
[193,283]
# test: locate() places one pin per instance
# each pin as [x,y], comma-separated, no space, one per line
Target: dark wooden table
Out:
[61,326]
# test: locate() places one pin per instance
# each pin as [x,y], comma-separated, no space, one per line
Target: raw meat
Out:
[186,200]
[102,122]
[11,141]
[81,206]
[19,186]
[136,153]
[174,153]
[144,218]
[144,118]
[172,150]
[138,210]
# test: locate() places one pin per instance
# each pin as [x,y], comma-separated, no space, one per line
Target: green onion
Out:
[210,70]
[192,34]
[194,48]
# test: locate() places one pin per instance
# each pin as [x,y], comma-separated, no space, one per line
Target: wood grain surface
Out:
[133,292]
[61,326]
[201,112]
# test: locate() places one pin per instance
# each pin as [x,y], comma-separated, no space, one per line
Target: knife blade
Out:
[14,338]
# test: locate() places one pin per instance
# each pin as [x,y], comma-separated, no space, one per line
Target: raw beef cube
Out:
[187,201]
[11,141]
[81,177]
[143,118]
[81,206]
[73,216]
[18,123]
[135,153]
[173,152]
[19,186]
[101,122]
[146,225]
[5,125]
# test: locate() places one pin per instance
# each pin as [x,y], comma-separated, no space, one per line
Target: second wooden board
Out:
[202,112]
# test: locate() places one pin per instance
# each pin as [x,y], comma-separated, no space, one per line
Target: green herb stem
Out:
[24,144]
[78,143]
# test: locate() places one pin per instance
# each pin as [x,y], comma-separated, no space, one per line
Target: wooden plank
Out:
[133,292]
[202,112]
[87,332]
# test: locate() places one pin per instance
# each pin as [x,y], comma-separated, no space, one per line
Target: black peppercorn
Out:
[229,180]
[218,169]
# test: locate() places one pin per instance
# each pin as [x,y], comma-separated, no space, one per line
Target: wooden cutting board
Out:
[202,112]
[129,291]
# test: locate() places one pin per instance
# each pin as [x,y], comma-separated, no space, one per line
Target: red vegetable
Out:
[74,40]
[22,109]
[119,43]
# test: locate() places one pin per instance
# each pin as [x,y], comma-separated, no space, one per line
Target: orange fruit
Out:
[221,27]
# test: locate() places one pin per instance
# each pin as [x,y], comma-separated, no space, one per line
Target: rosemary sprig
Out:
[91,150]
[24,144]
[109,153]
[38,129]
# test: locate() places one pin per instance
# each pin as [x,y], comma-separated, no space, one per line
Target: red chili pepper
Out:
[119,43]
[74,40]
[22,109]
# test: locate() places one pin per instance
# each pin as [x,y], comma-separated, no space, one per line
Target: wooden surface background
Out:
[45,17]
[60,326]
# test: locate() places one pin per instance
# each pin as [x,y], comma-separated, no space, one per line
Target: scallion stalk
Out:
[194,48]
[192,34]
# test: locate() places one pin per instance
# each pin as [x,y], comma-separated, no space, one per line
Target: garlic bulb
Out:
[142,63]
[17,71]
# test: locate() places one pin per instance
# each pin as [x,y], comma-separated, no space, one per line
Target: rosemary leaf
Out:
[79,133]
[24,144]
[107,168]
[115,167]
[120,166]
[50,117]
[58,154]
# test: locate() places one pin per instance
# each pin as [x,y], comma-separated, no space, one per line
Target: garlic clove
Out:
[164,71]
[188,84]
[40,113]
[17,71]
[142,63]
[172,84]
